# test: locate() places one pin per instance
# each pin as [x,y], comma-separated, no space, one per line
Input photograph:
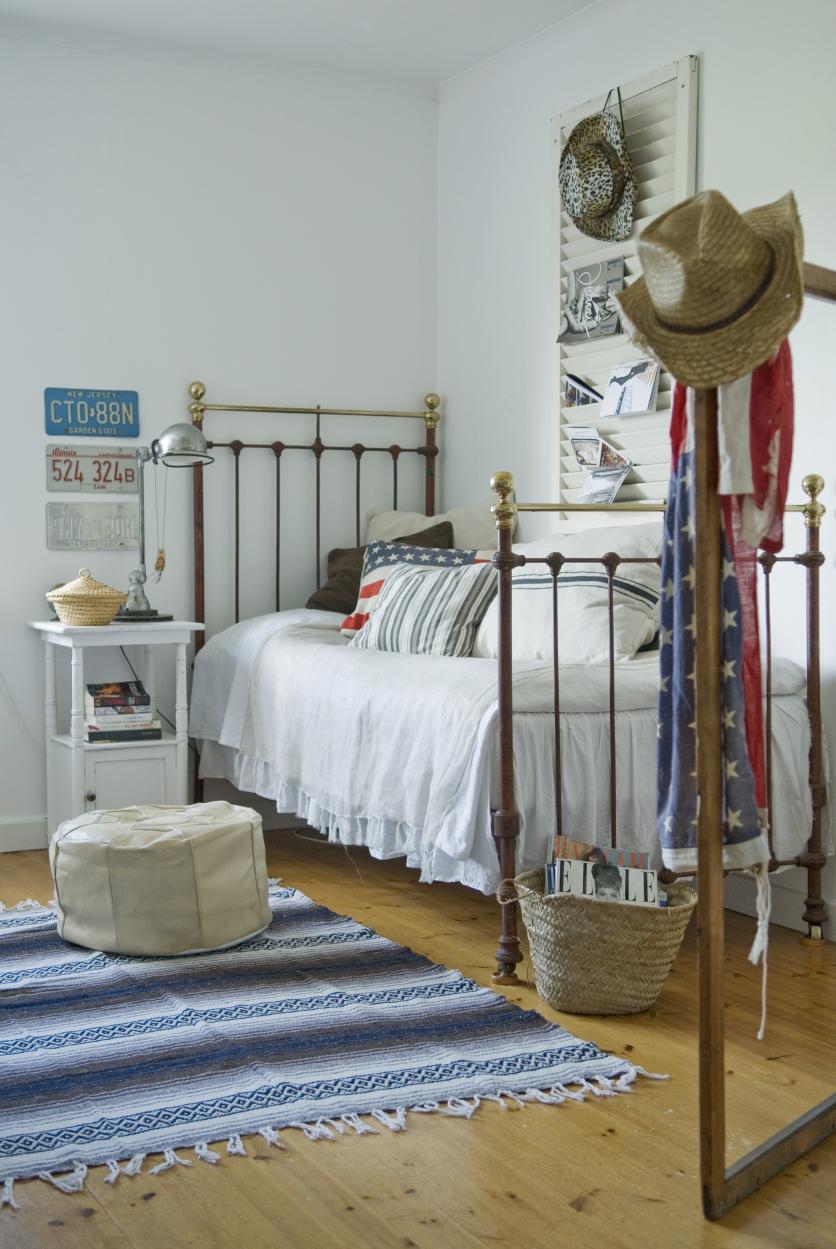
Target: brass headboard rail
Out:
[198,408]
[639,506]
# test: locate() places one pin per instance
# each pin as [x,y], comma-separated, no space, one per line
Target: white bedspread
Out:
[398,752]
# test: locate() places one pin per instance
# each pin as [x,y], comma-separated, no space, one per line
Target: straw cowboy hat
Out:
[720,290]
[597,181]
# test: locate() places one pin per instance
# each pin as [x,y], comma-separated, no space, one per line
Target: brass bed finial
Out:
[432,416]
[813,485]
[197,390]
[505,511]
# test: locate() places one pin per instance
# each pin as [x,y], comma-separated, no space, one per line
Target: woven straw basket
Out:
[593,957]
[86,601]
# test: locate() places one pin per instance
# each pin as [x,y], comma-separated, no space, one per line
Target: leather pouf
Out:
[161,880]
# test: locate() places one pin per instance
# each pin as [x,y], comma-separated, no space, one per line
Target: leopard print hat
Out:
[598,184]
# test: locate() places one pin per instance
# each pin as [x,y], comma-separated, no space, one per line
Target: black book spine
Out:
[128,700]
[125,735]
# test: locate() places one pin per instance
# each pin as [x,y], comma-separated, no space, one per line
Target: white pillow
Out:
[474,527]
[582,598]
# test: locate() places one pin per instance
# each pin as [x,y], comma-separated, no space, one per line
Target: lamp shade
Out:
[180,446]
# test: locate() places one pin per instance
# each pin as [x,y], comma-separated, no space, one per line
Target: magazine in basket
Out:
[588,871]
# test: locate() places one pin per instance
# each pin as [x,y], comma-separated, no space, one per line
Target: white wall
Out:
[273,236]
[764,126]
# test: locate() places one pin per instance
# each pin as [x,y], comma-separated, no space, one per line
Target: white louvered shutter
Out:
[660,114]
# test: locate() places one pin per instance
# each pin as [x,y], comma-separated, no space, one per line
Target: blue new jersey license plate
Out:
[91,413]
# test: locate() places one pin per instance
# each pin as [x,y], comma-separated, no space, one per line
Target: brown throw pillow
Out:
[345,566]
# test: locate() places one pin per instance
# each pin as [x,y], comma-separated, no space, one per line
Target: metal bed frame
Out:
[506,816]
[198,408]
[722,1188]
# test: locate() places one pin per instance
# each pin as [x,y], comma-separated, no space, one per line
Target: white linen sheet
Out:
[399,752]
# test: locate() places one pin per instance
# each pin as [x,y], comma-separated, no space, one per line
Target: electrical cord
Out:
[18,714]
[322,841]
[192,746]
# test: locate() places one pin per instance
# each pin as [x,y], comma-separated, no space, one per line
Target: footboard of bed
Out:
[506,818]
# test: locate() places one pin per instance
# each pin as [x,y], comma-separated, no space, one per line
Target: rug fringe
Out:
[394,1120]
[272,1137]
[461,1107]
[28,904]
[73,1182]
[132,1167]
[331,1129]
[205,1154]
[362,1129]
[170,1160]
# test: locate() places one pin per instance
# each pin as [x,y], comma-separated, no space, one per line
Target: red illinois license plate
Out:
[110,471]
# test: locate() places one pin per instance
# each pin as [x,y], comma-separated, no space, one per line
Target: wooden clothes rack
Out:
[723,1187]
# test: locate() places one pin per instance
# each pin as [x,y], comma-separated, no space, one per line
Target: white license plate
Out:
[92,526]
[94,471]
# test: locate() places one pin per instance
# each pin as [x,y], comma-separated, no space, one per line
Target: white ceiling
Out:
[421,42]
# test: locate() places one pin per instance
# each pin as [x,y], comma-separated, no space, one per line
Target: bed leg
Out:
[506,827]
[812,560]
[197,783]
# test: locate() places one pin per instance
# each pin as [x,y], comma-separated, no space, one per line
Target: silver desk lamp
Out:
[180,446]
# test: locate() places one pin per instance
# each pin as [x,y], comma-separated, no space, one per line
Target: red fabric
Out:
[771,422]
[679,422]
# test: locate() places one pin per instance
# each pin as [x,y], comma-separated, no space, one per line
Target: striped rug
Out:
[319,1024]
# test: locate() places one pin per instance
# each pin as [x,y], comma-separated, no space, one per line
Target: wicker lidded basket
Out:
[86,601]
[593,957]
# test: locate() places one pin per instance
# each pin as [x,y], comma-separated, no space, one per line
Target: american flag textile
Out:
[381,557]
[744,842]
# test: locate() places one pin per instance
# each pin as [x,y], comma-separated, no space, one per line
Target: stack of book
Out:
[589,871]
[120,711]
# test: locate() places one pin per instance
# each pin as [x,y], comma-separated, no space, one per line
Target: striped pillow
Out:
[380,560]
[582,598]
[429,611]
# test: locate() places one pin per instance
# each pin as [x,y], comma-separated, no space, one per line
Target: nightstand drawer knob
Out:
[90,797]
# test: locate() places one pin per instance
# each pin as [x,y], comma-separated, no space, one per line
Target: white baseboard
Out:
[788,892]
[22,832]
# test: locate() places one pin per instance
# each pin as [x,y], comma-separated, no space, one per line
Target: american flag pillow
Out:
[429,611]
[382,557]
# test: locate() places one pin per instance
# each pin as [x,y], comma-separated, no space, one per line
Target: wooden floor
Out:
[609,1174]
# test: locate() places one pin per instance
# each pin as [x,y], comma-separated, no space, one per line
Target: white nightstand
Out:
[84,775]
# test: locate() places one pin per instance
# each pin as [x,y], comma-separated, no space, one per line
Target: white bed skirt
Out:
[384,838]
[399,753]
